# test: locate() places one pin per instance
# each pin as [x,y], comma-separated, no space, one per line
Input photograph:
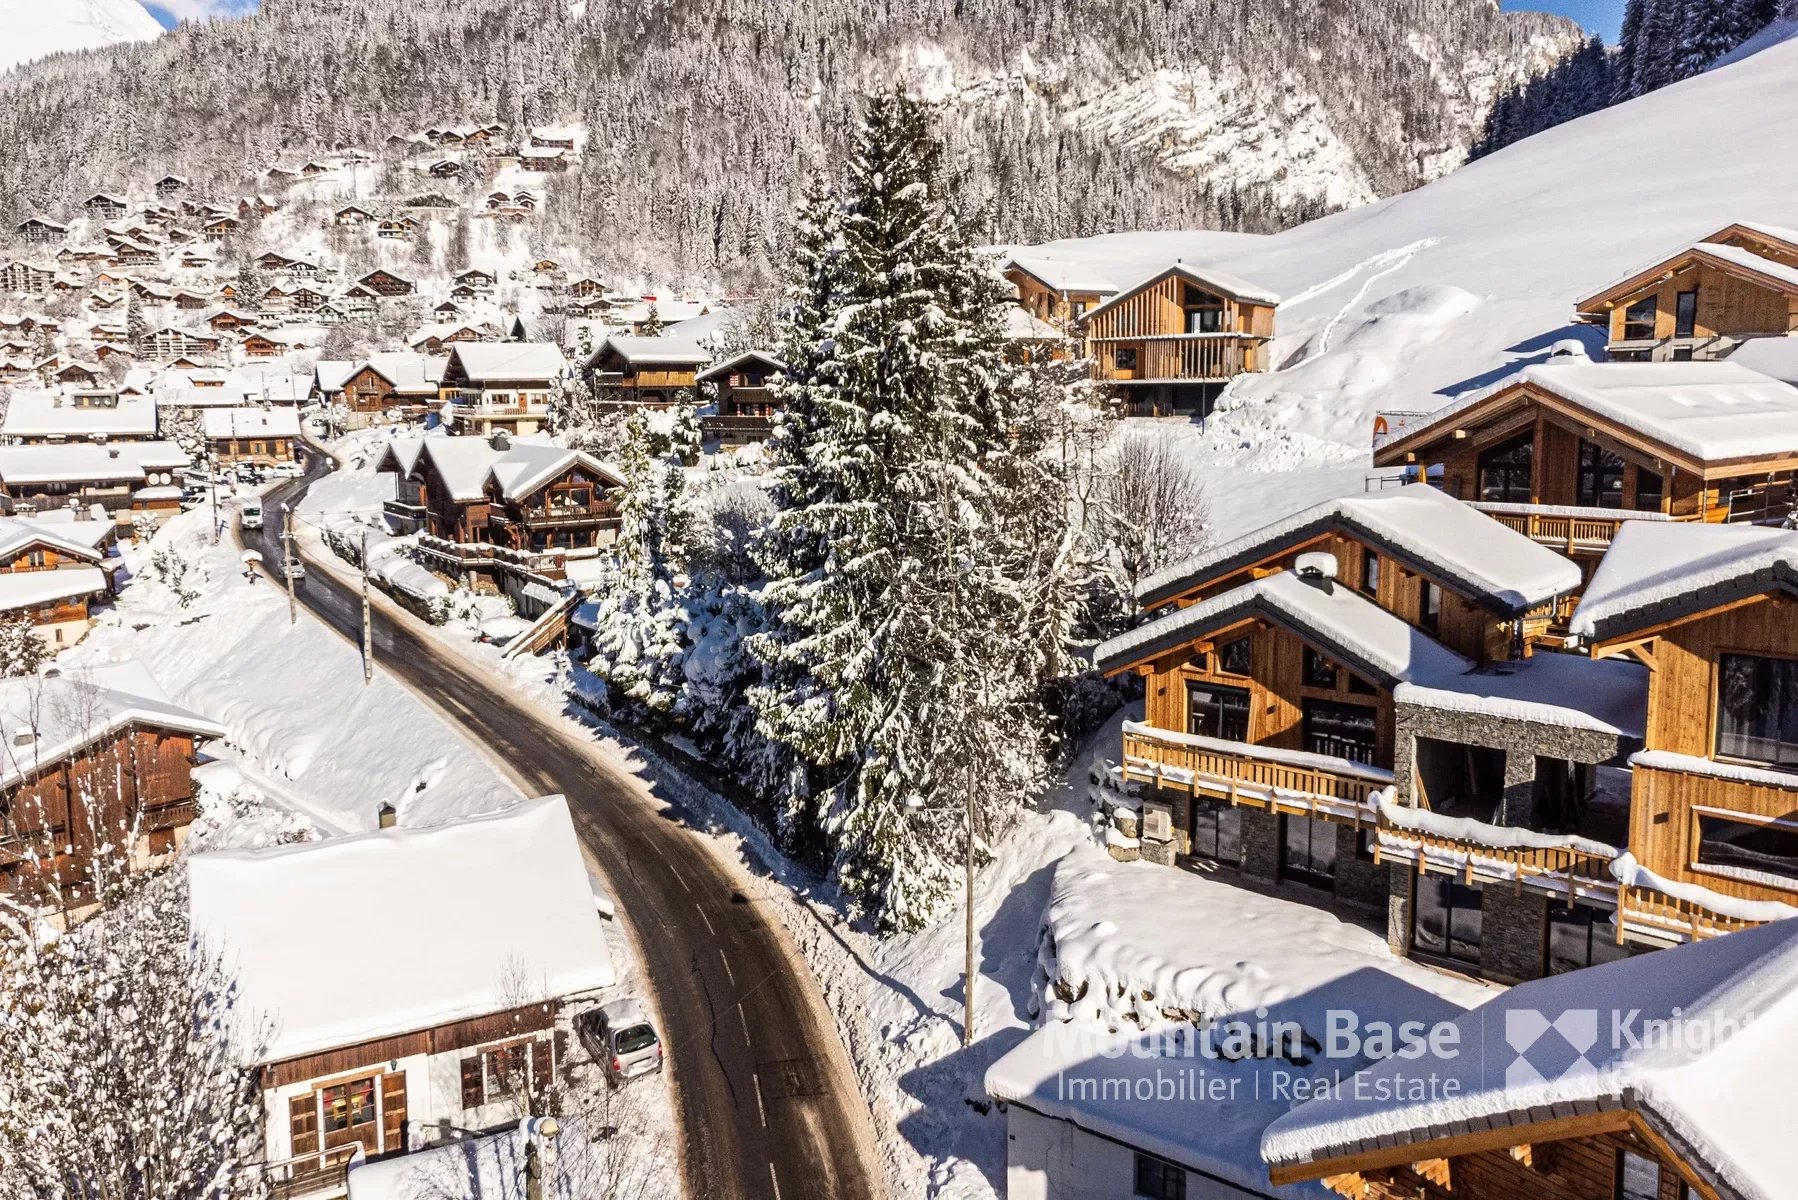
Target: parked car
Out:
[291,470]
[296,569]
[621,1040]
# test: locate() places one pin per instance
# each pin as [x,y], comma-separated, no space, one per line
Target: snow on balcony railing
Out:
[1565,527]
[1258,776]
[1464,846]
[1654,904]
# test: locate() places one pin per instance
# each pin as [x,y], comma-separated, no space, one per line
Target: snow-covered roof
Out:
[406,370]
[1024,326]
[500,361]
[1206,277]
[465,463]
[330,374]
[1748,260]
[250,422]
[1710,412]
[1567,690]
[1420,525]
[28,589]
[1356,632]
[1730,1004]
[722,369]
[81,463]
[654,351]
[1773,356]
[39,412]
[527,935]
[1063,275]
[46,717]
[1660,570]
[72,538]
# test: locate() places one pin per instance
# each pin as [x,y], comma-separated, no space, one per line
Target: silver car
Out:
[621,1039]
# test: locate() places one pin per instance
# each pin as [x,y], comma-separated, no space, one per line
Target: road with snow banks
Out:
[767,1100]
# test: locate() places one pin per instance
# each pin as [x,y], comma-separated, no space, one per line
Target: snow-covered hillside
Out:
[1408,302]
[37,28]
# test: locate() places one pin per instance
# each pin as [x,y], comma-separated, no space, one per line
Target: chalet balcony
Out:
[316,1176]
[1478,851]
[1569,530]
[1255,776]
[557,518]
[736,428]
[1178,358]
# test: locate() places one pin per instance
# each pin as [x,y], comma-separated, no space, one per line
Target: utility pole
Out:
[368,630]
[212,482]
[293,604]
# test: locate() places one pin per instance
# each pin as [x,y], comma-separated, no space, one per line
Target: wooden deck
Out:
[1570,534]
[1249,775]
[1558,868]
[1178,358]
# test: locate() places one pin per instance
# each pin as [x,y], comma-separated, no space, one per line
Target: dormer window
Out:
[1639,320]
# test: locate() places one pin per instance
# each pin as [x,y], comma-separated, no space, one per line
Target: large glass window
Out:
[1320,672]
[1757,709]
[1204,312]
[1649,487]
[1343,730]
[1235,658]
[1685,317]
[1159,1179]
[1308,851]
[1445,921]
[1579,937]
[1429,606]
[1770,848]
[1217,832]
[348,1107]
[1505,471]
[1639,319]
[1218,712]
[1600,477]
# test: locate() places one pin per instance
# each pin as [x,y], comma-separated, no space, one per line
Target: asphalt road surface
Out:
[766,1098]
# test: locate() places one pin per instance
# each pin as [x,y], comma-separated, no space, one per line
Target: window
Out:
[1078,308]
[1320,672]
[348,1107]
[1158,1179]
[1445,921]
[1234,658]
[1217,832]
[1682,354]
[1769,848]
[1757,709]
[503,1069]
[1639,320]
[500,1071]
[1308,851]
[1648,491]
[1340,730]
[1685,315]
[1204,312]
[1600,477]
[1638,1177]
[1579,937]
[1429,606]
[1505,471]
[1370,572]
[1217,712]
[1125,358]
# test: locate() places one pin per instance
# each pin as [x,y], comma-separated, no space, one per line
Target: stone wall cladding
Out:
[1358,880]
[1513,933]
[1260,844]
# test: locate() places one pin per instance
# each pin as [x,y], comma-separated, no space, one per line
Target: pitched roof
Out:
[465,463]
[1207,277]
[500,361]
[1421,526]
[654,351]
[722,369]
[17,533]
[1713,247]
[47,717]
[250,422]
[528,935]
[1063,275]
[1657,571]
[1356,632]
[1708,412]
[81,463]
[45,413]
[29,589]
[1729,1004]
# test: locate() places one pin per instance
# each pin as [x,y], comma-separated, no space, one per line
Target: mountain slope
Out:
[1416,299]
[1066,116]
[38,28]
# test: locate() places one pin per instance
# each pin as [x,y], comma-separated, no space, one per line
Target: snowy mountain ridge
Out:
[39,28]
[1412,301]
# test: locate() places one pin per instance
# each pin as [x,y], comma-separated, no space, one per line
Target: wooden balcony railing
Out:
[1196,357]
[733,427]
[1472,848]
[312,1174]
[1672,915]
[1253,775]
[1569,530]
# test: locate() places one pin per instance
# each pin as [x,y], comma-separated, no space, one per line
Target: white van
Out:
[250,515]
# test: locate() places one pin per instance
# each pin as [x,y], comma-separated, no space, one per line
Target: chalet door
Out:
[349,1112]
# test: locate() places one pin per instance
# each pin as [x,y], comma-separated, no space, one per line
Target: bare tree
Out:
[1151,508]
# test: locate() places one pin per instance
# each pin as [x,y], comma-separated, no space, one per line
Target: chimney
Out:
[1317,568]
[499,441]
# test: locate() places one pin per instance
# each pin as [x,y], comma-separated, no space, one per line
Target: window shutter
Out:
[302,1123]
[393,1112]
[472,1093]
[542,1064]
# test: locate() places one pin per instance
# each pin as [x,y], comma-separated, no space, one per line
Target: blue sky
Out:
[1600,16]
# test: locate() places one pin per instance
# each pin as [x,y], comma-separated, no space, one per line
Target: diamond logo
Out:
[1549,1050]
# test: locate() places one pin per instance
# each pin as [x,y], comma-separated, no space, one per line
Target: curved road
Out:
[767,1101]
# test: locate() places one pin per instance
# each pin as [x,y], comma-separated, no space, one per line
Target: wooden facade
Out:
[744,398]
[572,510]
[1058,305]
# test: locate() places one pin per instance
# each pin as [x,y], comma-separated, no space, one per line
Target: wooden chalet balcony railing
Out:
[724,428]
[1178,358]
[1253,775]
[1569,530]
[1474,849]
[1648,907]
[325,1173]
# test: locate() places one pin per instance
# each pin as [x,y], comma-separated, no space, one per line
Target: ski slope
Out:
[36,28]
[1409,302]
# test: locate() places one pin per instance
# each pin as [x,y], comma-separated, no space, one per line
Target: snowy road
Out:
[768,1101]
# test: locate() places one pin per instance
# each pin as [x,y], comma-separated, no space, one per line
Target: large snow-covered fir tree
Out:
[918,559]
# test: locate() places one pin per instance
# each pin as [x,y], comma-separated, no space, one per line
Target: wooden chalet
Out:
[351,215]
[94,759]
[1567,450]
[446,168]
[387,1053]
[1171,342]
[647,370]
[1057,291]
[386,283]
[495,386]
[50,571]
[474,496]
[121,477]
[256,437]
[104,206]
[230,320]
[1737,284]
[171,185]
[744,402]
[399,381]
[1712,614]
[21,276]
[1638,1080]
[41,231]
